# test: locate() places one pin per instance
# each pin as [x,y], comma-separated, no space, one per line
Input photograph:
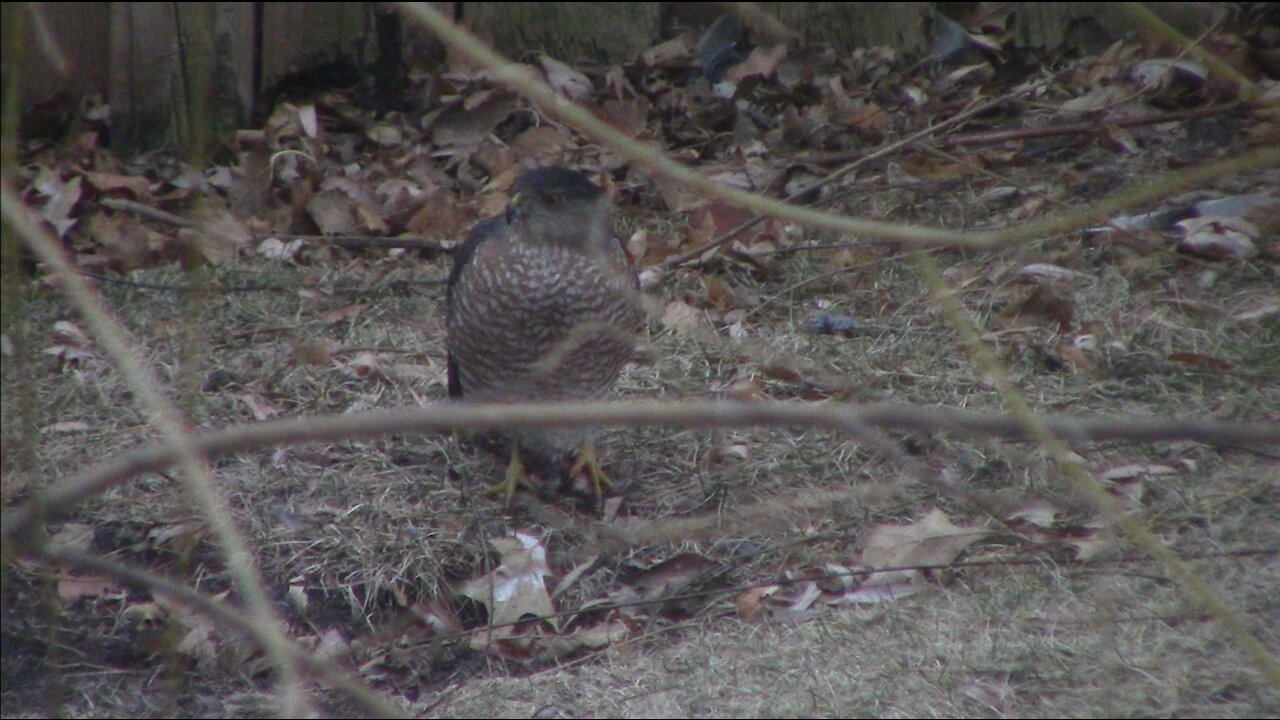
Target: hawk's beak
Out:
[513,208]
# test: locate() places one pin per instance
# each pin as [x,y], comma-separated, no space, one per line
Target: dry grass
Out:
[362,523]
[367,527]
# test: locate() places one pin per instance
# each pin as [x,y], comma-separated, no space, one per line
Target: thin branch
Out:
[992,137]
[1083,482]
[357,242]
[837,174]
[391,285]
[115,342]
[521,80]
[443,417]
[233,618]
[1153,25]
[146,211]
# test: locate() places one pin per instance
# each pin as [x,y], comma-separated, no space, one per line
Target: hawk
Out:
[543,304]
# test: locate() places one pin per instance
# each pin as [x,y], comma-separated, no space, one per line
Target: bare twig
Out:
[443,417]
[522,82]
[831,177]
[394,286]
[1084,483]
[232,618]
[115,341]
[992,137]
[358,242]
[1222,70]
[146,211]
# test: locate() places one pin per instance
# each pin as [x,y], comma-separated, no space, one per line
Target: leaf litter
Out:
[774,118]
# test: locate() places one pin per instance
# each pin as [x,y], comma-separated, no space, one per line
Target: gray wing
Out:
[483,231]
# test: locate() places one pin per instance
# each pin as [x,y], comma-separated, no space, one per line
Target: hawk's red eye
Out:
[552,200]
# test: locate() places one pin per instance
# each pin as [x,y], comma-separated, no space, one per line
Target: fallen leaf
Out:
[1047,271]
[465,124]
[332,644]
[199,642]
[868,117]
[259,407]
[1044,307]
[564,79]
[762,62]
[308,120]
[931,540]
[1118,139]
[145,614]
[801,604]
[342,314]
[1101,97]
[1258,209]
[73,536]
[62,198]
[685,319]
[333,212]
[416,374]
[495,160]
[120,241]
[670,576]
[364,365]
[316,351]
[74,587]
[219,234]
[1157,75]
[1037,512]
[749,604]
[886,589]
[66,332]
[1218,238]
[517,587]
[297,595]
[276,249]
[387,136]
[70,344]
[1090,547]
[676,52]
[678,196]
[441,216]
[597,636]
[573,575]
[629,117]
[137,186]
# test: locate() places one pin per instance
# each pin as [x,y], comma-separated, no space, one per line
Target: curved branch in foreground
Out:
[442,417]
[520,80]
[323,669]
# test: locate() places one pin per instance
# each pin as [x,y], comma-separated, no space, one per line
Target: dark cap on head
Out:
[569,184]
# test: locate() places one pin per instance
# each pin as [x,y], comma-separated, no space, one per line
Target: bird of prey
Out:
[543,304]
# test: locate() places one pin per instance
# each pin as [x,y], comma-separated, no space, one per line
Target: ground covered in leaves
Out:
[300,272]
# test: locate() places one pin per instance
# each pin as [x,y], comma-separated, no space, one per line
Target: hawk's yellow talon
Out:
[516,478]
[587,460]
